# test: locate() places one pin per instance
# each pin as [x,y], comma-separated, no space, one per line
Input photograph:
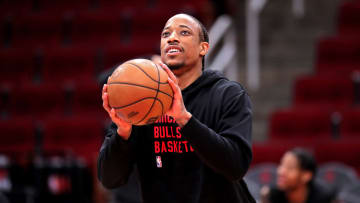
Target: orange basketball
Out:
[139,91]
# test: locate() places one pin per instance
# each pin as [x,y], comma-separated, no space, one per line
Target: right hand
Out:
[123,128]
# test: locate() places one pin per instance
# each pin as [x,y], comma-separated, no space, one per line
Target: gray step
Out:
[288,48]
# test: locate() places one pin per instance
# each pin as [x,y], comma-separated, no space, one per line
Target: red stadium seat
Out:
[324,90]
[305,123]
[87,100]
[17,135]
[350,124]
[184,6]
[17,65]
[38,29]
[334,69]
[37,100]
[118,52]
[273,149]
[80,135]
[62,5]
[69,64]
[338,50]
[97,26]
[115,5]
[349,18]
[15,7]
[346,151]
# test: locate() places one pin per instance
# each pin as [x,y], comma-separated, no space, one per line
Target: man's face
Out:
[180,42]
[289,174]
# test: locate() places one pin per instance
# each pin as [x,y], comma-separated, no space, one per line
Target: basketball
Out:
[139,91]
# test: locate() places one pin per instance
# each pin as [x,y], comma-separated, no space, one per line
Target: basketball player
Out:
[199,151]
[295,181]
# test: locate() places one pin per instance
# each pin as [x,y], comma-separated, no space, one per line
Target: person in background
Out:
[295,181]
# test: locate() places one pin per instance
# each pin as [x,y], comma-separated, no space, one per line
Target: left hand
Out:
[177,110]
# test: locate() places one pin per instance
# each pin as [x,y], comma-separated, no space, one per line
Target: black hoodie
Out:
[204,161]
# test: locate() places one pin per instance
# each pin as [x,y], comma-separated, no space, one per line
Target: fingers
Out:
[114,117]
[123,125]
[169,72]
[105,98]
[113,114]
[174,87]
[118,119]
[104,89]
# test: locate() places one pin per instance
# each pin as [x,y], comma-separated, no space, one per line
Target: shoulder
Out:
[228,88]
[223,91]
[273,195]
[321,193]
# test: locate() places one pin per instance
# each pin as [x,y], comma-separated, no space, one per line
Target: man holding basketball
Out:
[201,149]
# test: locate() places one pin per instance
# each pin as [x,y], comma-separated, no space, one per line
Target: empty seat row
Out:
[42,101]
[349,18]
[80,135]
[345,69]
[20,6]
[50,29]
[340,49]
[322,89]
[315,123]
[47,27]
[66,63]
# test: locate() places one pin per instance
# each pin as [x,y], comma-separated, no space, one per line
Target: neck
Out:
[188,76]
[298,195]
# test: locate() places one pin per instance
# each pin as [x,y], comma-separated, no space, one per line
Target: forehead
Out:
[290,159]
[181,20]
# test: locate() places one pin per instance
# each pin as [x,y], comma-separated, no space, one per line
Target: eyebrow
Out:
[184,26]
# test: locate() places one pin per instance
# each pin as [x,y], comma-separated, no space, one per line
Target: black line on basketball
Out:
[140,100]
[157,92]
[146,73]
[128,83]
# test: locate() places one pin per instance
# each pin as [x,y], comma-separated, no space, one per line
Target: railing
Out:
[223,48]
[222,55]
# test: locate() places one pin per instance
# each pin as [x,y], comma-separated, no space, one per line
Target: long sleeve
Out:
[116,159]
[227,152]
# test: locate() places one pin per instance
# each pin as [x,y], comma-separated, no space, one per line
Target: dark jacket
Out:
[204,161]
[317,193]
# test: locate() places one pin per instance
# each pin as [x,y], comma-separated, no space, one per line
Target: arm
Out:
[229,151]
[116,156]
[116,159]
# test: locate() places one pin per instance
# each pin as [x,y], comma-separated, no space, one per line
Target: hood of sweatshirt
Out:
[207,78]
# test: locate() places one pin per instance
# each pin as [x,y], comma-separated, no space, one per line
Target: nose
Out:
[173,37]
[280,170]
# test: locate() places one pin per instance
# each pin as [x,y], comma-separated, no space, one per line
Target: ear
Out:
[306,176]
[204,47]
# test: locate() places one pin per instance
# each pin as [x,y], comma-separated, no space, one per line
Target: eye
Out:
[165,34]
[184,32]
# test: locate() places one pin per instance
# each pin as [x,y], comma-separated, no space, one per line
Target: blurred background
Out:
[298,59]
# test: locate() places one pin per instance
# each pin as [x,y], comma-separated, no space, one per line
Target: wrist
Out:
[182,121]
[124,134]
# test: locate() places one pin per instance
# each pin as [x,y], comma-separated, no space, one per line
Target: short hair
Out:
[306,160]
[203,34]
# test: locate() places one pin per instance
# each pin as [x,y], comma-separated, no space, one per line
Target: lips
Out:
[173,49]
[281,181]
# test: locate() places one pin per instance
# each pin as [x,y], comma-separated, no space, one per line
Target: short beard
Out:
[175,66]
